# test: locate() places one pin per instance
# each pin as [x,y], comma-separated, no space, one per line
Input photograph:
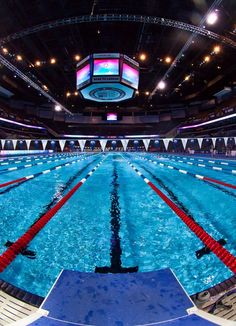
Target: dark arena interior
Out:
[118,162]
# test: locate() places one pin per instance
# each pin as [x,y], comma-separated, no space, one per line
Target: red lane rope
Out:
[224,255]
[200,177]
[10,254]
[220,182]
[11,182]
[2,185]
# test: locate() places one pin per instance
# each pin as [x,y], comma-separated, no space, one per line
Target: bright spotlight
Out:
[142,57]
[57,108]
[212,18]
[168,60]
[207,58]
[53,61]
[161,85]
[77,57]
[217,49]
[19,57]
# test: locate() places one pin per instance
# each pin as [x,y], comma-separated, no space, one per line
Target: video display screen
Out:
[111,116]
[130,75]
[106,67]
[82,75]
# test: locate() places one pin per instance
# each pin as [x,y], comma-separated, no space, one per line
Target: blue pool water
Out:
[81,235]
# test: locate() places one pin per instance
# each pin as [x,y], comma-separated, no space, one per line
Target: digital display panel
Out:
[83,75]
[111,116]
[107,92]
[106,67]
[130,75]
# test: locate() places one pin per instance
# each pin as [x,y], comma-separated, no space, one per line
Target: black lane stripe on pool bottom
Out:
[203,251]
[9,188]
[62,190]
[170,192]
[31,165]
[175,198]
[59,194]
[224,190]
[116,252]
[206,166]
[227,192]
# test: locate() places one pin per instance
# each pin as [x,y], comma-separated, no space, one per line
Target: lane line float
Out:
[11,252]
[198,176]
[223,254]
[21,167]
[226,171]
[39,173]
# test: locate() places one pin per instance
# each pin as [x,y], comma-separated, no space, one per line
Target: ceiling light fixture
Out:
[161,85]
[212,18]
[77,57]
[207,58]
[142,56]
[19,57]
[168,60]
[57,108]
[217,49]
[53,61]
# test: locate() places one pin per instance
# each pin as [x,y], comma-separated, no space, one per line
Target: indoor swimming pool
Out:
[115,221]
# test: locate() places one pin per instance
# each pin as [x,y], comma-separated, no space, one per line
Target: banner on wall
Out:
[146,143]
[3,142]
[226,141]
[62,143]
[44,143]
[14,142]
[28,143]
[124,143]
[200,140]
[213,141]
[103,143]
[184,142]
[81,144]
[166,142]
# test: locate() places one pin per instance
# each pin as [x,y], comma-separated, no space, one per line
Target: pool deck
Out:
[22,295]
[13,311]
[224,292]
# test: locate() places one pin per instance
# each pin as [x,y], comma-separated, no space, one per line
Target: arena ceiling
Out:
[48,55]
